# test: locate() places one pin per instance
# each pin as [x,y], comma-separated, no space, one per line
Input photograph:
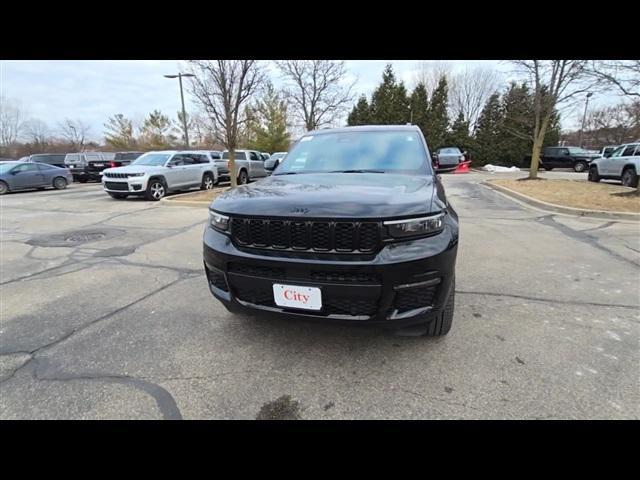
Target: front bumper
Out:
[404,284]
[129,185]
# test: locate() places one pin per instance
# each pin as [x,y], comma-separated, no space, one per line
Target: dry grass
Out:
[576,194]
[204,196]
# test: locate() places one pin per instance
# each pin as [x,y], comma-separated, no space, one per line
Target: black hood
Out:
[333,195]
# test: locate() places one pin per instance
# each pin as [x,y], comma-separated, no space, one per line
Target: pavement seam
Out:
[548,300]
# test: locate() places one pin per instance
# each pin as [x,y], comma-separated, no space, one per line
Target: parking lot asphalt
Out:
[105,313]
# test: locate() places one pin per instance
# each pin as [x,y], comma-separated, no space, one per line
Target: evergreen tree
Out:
[459,136]
[419,102]
[488,134]
[119,132]
[389,103]
[517,125]
[267,122]
[361,113]
[437,122]
[156,131]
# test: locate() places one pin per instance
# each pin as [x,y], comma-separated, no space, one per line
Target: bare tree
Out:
[430,72]
[317,90]
[620,75]
[614,125]
[554,82]
[469,91]
[11,123]
[38,134]
[75,132]
[222,87]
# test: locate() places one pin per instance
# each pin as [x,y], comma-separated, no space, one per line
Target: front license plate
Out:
[295,296]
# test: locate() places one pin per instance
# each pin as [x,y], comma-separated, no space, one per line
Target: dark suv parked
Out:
[353,226]
[564,157]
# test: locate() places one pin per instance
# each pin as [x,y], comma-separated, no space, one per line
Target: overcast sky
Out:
[92,91]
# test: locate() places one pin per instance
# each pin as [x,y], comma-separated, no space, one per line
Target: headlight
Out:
[416,226]
[217,221]
[136,174]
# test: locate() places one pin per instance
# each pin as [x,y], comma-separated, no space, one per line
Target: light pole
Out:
[584,116]
[184,114]
[410,115]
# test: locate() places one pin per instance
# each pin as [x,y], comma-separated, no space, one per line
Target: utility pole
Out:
[584,117]
[184,113]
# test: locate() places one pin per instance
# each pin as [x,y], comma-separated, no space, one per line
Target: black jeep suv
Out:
[353,226]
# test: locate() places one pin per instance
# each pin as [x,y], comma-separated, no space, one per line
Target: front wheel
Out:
[4,188]
[155,190]
[60,183]
[593,174]
[207,182]
[580,167]
[630,178]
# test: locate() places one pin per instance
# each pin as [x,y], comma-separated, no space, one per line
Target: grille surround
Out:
[121,186]
[294,234]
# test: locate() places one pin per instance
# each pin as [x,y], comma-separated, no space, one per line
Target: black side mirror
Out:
[607,155]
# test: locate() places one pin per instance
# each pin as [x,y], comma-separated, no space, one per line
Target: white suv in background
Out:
[623,164]
[154,174]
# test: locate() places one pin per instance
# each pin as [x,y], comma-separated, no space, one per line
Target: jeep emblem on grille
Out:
[300,210]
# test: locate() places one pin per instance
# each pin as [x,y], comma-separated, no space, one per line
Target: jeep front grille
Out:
[316,235]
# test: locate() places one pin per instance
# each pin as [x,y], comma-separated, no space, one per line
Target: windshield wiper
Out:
[357,171]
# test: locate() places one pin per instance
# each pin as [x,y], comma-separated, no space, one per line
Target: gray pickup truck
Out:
[249,165]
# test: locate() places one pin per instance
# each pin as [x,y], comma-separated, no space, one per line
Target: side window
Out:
[189,159]
[177,160]
[628,151]
[216,155]
[637,150]
[241,155]
[563,151]
[44,168]
[72,158]
[253,156]
[203,159]
[27,167]
[548,151]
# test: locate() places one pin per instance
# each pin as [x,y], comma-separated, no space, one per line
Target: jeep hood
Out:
[333,195]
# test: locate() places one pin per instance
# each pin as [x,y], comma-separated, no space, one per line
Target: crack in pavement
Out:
[164,400]
[548,300]
[550,221]
[106,316]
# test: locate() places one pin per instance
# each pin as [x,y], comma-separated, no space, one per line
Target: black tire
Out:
[83,180]
[60,183]
[156,189]
[4,188]
[593,174]
[243,178]
[629,177]
[118,196]
[548,169]
[580,166]
[441,325]
[207,182]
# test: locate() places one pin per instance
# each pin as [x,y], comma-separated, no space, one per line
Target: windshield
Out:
[380,151]
[449,151]
[152,159]
[5,167]
[239,155]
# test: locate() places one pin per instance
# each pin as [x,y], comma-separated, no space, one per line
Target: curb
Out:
[551,207]
[183,203]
